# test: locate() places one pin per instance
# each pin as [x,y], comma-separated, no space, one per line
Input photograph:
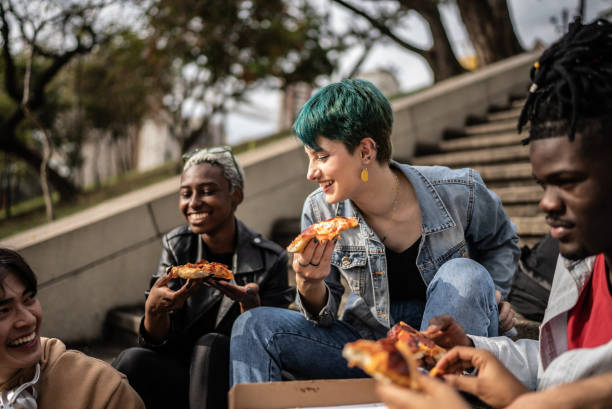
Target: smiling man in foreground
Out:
[570,111]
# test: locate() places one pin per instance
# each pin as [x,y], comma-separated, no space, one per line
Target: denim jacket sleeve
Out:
[520,357]
[492,236]
[335,289]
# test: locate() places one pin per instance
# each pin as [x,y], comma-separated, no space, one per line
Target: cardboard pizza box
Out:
[336,393]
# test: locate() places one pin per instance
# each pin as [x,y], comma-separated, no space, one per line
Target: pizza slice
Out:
[201,269]
[324,230]
[398,357]
[383,360]
[426,351]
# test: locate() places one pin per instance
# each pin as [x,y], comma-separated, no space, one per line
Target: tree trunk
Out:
[441,58]
[44,182]
[8,189]
[63,185]
[490,29]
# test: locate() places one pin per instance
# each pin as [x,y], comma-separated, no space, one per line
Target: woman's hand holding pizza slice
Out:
[161,301]
[313,249]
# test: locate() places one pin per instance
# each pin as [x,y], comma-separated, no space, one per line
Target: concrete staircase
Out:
[492,146]
[489,144]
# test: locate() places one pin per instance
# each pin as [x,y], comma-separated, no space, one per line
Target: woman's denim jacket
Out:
[548,362]
[460,218]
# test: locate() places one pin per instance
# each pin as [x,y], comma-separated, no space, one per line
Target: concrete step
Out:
[510,114]
[507,125]
[506,172]
[120,332]
[523,210]
[528,194]
[126,319]
[518,103]
[530,226]
[476,157]
[481,141]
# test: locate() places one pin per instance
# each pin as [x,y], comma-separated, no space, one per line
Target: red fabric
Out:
[589,323]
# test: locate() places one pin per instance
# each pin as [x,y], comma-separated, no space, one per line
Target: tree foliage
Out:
[487,22]
[220,49]
[55,33]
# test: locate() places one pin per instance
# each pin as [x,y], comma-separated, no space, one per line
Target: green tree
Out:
[220,49]
[46,36]
[112,90]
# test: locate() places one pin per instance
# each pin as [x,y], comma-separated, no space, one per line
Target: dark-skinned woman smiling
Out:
[183,357]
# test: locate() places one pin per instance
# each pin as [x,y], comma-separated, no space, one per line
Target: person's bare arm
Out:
[590,393]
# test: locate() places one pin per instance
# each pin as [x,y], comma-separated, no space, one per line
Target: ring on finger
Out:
[315,265]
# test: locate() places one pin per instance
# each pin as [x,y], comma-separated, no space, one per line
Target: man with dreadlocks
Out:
[569,108]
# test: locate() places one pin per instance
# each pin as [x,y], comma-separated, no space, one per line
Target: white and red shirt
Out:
[589,323]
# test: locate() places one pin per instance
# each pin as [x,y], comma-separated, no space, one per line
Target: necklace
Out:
[394,204]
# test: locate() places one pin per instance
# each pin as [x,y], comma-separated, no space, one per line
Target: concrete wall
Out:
[103,257]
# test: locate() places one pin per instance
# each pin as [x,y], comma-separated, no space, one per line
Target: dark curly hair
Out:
[572,85]
[12,262]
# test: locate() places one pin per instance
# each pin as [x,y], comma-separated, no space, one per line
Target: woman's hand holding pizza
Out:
[161,301]
[313,264]
[311,267]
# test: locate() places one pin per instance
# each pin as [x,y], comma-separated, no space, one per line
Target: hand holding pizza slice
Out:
[398,357]
[324,230]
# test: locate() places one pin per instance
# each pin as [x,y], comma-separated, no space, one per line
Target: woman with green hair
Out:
[430,241]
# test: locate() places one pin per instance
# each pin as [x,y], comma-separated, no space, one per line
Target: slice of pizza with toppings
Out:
[324,230]
[201,270]
[398,357]
[383,360]
[426,351]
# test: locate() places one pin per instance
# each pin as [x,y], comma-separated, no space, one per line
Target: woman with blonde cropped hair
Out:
[183,356]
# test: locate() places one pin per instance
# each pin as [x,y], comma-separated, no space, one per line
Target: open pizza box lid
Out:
[337,393]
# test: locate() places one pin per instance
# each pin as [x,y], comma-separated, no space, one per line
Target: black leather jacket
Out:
[256,260]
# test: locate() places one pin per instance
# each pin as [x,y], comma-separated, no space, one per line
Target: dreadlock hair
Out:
[572,84]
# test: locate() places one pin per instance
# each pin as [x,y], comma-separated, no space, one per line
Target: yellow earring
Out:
[364,174]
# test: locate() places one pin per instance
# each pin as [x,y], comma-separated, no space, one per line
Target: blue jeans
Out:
[267,341]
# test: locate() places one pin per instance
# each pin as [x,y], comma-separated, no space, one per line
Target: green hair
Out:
[347,111]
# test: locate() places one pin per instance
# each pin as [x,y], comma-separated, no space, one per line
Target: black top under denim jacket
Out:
[256,259]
